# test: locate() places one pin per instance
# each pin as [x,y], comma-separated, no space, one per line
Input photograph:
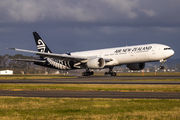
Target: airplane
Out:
[134,57]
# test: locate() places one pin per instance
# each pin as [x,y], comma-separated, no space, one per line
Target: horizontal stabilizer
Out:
[29,60]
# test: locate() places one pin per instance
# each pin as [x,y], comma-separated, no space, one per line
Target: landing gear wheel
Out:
[111,73]
[106,73]
[87,73]
[83,74]
[161,67]
[92,73]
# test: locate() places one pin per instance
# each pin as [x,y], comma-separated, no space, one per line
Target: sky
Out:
[78,25]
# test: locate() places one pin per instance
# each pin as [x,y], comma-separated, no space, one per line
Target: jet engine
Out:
[136,66]
[96,63]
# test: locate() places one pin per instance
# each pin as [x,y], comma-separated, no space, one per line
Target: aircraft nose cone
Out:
[170,53]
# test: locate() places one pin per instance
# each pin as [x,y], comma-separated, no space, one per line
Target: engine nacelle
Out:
[136,66]
[96,63]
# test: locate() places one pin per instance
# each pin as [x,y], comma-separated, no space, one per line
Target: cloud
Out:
[123,7]
[149,13]
[167,29]
[128,13]
[70,25]
[20,11]
[68,10]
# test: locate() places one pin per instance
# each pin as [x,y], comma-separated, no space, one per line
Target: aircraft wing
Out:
[53,55]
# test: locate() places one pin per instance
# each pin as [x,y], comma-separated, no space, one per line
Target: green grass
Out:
[19,108]
[155,80]
[15,77]
[22,108]
[91,87]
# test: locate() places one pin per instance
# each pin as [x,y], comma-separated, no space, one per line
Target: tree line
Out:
[21,67]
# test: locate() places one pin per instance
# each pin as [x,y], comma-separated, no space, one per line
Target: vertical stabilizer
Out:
[41,45]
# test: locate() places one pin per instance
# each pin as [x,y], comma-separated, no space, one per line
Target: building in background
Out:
[6,72]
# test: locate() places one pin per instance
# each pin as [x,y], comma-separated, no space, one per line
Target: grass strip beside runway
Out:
[155,80]
[20,108]
[91,87]
[21,77]
[54,76]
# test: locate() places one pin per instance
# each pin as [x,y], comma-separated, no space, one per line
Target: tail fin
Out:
[41,45]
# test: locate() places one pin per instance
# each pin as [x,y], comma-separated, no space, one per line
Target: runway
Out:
[91,94]
[96,94]
[100,80]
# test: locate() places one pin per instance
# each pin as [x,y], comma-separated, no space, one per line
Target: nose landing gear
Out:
[162,62]
[161,67]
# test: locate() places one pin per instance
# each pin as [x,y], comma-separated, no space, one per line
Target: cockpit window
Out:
[167,49]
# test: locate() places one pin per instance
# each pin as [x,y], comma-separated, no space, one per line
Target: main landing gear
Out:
[111,73]
[88,73]
[162,62]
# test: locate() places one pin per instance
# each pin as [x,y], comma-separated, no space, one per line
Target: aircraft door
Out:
[132,56]
[154,50]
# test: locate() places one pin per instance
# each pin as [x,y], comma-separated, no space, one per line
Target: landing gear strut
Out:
[162,62]
[87,73]
[111,73]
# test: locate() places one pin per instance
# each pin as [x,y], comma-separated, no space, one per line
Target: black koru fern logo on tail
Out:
[41,46]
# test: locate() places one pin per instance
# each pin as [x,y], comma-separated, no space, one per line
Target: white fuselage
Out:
[130,54]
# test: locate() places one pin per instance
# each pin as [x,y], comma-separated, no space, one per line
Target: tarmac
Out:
[91,94]
[101,80]
[96,94]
